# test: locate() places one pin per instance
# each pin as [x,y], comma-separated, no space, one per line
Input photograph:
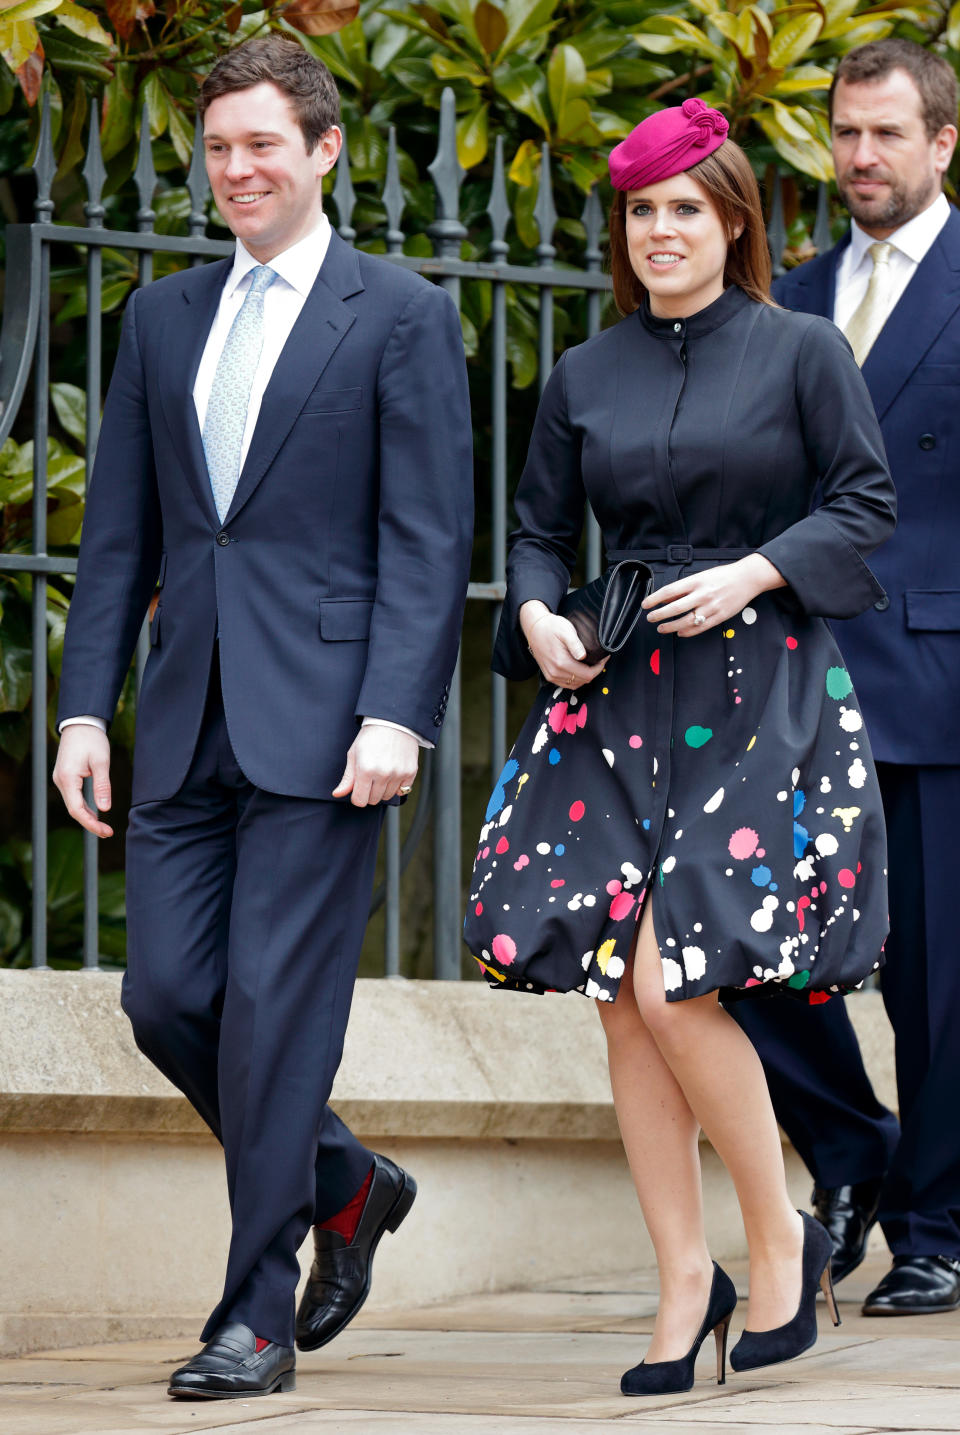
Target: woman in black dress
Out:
[701,813]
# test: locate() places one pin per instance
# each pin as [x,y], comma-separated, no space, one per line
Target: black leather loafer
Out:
[917,1285]
[340,1278]
[849,1213]
[229,1365]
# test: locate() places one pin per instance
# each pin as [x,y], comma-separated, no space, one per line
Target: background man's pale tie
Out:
[870,315]
[226,416]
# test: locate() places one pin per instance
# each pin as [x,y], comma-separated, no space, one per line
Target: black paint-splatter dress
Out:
[729,772]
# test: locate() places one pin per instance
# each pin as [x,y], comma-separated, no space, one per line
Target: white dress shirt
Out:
[296,269]
[910,245]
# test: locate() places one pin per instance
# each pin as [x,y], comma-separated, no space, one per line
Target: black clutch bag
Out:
[605,612]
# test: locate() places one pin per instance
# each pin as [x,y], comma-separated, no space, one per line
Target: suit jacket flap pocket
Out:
[332,401]
[933,610]
[344,618]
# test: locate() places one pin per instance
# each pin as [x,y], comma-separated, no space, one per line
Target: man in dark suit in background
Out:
[286,453]
[893,285]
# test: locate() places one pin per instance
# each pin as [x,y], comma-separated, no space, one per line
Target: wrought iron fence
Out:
[25,348]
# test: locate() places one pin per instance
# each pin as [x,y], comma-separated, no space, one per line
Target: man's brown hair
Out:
[728,179]
[933,76]
[306,82]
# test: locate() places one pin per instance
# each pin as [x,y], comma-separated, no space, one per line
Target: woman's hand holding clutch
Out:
[700,601]
[554,644]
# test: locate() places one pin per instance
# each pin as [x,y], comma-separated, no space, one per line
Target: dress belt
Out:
[679,553]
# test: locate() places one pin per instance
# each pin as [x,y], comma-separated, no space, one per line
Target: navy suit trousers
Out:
[246,916]
[821,1092]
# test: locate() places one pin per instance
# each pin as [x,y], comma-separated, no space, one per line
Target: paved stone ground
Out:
[544,1362]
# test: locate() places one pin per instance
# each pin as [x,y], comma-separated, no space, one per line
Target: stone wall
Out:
[112,1196]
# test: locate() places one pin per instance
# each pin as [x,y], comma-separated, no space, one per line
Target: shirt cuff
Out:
[397,727]
[91,721]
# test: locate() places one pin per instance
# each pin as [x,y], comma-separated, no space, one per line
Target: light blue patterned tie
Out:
[226,416]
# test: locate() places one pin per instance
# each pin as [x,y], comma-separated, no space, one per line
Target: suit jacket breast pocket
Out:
[332,401]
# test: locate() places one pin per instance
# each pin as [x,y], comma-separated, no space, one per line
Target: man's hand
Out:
[84,752]
[381,760]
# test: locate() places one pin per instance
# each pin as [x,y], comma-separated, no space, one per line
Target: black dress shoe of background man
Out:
[230,1365]
[917,1285]
[848,1212]
[340,1278]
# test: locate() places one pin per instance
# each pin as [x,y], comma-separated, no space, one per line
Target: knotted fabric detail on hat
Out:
[667,143]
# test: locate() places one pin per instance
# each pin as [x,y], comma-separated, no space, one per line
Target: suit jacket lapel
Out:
[924,309]
[321,325]
[190,321]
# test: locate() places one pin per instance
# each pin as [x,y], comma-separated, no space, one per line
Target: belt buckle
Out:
[679,553]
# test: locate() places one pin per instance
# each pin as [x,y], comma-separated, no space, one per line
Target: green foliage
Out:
[64,904]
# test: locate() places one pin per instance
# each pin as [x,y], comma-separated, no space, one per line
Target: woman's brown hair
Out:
[728,179]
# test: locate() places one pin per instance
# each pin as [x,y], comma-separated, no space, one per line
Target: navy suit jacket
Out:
[337,580]
[905,658]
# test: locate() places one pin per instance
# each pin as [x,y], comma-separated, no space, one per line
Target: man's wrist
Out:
[88,720]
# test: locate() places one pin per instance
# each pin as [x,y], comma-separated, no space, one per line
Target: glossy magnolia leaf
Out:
[525,19]
[321,17]
[953,26]
[566,77]
[690,37]
[30,73]
[450,67]
[738,29]
[790,122]
[74,148]
[522,170]
[83,23]
[838,9]
[521,82]
[473,136]
[16,678]
[792,42]
[116,125]
[490,24]
[70,407]
[861,31]
[811,157]
[125,15]
[18,40]
[802,79]
[181,133]
[158,110]
[18,10]
[575,124]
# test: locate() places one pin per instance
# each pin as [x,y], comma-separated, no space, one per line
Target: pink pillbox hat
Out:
[666,143]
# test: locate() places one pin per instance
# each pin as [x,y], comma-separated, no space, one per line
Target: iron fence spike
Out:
[777,229]
[145,175]
[44,165]
[198,186]
[344,194]
[448,175]
[393,200]
[94,169]
[592,218]
[544,211]
[499,207]
[821,228]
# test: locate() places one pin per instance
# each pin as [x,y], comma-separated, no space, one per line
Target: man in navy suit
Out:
[893,285]
[285,459]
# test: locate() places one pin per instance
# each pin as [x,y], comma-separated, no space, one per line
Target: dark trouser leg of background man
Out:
[820,1090]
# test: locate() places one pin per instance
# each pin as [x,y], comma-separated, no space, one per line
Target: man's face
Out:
[888,168]
[265,184]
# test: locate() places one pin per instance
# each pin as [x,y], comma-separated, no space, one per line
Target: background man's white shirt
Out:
[910,245]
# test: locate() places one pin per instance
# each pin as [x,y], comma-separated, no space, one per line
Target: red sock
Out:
[345,1222]
[261,1344]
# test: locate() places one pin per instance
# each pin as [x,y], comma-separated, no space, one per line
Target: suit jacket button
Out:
[882,604]
[927,441]
[223,538]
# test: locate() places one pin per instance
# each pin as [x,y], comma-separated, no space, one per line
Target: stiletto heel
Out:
[768,1347]
[826,1285]
[720,1333]
[671,1377]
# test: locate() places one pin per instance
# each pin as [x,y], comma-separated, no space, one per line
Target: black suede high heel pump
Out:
[670,1377]
[768,1347]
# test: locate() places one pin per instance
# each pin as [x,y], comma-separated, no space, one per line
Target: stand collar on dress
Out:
[731,301]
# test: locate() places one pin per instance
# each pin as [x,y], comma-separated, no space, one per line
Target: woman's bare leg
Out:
[719,1074]
[660,1135]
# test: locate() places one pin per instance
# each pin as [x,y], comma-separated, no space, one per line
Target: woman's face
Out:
[677,245]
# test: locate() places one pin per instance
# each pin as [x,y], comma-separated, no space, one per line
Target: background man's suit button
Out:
[223,538]
[927,440]
[882,604]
